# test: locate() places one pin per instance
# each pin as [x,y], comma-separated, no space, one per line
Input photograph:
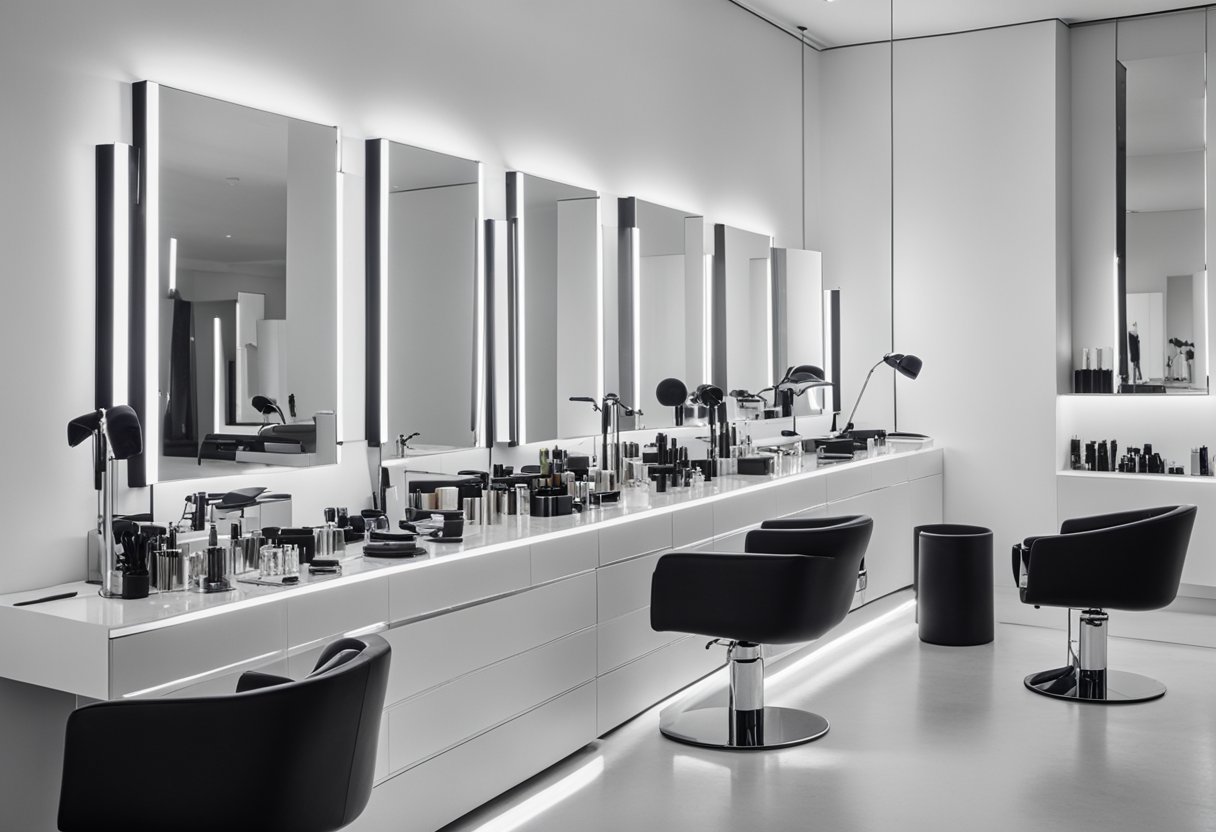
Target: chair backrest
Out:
[1125,561]
[296,756]
[825,582]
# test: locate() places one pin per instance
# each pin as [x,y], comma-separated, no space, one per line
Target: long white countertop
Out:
[114,618]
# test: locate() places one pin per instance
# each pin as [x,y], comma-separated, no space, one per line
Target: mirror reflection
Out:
[798,331]
[1162,99]
[432,300]
[558,280]
[742,315]
[667,301]
[248,341]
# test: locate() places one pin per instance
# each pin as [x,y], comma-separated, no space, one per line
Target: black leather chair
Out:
[276,756]
[1131,560]
[795,582]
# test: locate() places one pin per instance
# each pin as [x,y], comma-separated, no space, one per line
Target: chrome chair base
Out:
[1104,687]
[750,731]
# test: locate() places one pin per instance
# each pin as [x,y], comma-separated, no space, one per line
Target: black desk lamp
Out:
[796,382]
[906,365]
[116,435]
[267,406]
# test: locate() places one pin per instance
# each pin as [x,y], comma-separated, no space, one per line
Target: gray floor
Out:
[923,738]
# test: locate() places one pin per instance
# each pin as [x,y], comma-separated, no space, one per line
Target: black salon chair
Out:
[276,756]
[792,584]
[1126,561]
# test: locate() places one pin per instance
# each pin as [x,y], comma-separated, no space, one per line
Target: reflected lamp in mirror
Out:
[907,365]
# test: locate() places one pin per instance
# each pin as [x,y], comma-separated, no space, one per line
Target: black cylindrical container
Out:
[953,569]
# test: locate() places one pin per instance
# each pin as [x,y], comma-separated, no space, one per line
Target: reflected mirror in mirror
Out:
[247,240]
[663,305]
[433,374]
[798,330]
[1161,83]
[558,284]
[742,314]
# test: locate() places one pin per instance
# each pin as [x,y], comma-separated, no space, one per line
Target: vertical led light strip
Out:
[120,333]
[521,341]
[768,311]
[382,279]
[635,278]
[172,265]
[828,356]
[339,281]
[153,290]
[480,319]
[707,321]
[217,351]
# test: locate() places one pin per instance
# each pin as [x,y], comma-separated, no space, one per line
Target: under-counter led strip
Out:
[546,799]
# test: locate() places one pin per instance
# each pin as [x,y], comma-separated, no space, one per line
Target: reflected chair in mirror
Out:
[790,585]
[1131,560]
[276,756]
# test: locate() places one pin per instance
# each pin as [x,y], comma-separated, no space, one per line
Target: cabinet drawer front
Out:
[435,793]
[335,610]
[924,464]
[692,525]
[552,559]
[847,481]
[741,510]
[636,537]
[625,587]
[436,720]
[158,661]
[447,584]
[436,650]
[629,637]
[800,495]
[629,690]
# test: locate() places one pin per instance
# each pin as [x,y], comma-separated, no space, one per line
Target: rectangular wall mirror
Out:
[742,312]
[237,273]
[557,277]
[426,301]
[1161,108]
[664,304]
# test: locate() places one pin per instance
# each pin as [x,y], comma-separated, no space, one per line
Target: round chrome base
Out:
[1105,687]
[754,730]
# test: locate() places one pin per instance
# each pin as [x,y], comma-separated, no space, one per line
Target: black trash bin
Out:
[953,581]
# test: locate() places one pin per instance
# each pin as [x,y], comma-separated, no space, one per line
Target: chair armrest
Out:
[255,680]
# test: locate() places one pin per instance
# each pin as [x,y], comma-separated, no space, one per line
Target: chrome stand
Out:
[745,724]
[1086,678]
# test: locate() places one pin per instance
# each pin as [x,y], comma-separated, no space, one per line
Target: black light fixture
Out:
[906,365]
[116,435]
[268,406]
[797,381]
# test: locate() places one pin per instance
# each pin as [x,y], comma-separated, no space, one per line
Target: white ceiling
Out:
[845,22]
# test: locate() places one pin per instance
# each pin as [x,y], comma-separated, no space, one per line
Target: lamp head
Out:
[671,392]
[907,365]
[267,406]
[82,427]
[124,431]
[708,395]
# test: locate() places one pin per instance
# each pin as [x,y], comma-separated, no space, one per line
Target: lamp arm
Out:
[848,425]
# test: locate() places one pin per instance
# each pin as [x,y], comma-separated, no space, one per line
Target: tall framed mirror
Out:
[1161,168]
[663,293]
[235,268]
[426,350]
[557,279]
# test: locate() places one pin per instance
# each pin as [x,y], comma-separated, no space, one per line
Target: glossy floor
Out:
[922,738]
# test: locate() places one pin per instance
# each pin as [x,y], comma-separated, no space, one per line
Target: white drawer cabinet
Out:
[566,555]
[446,584]
[636,537]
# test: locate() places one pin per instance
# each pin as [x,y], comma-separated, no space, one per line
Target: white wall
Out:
[976,249]
[455,76]
[1162,243]
[855,236]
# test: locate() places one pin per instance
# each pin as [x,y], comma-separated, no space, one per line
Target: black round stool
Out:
[953,569]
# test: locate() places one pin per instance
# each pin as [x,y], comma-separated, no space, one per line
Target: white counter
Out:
[552,614]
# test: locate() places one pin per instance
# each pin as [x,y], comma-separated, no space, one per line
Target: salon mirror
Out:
[426,348]
[663,300]
[1161,164]
[742,315]
[240,263]
[557,281]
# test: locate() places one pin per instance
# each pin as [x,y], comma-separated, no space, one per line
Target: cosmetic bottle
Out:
[1205,469]
[1194,462]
